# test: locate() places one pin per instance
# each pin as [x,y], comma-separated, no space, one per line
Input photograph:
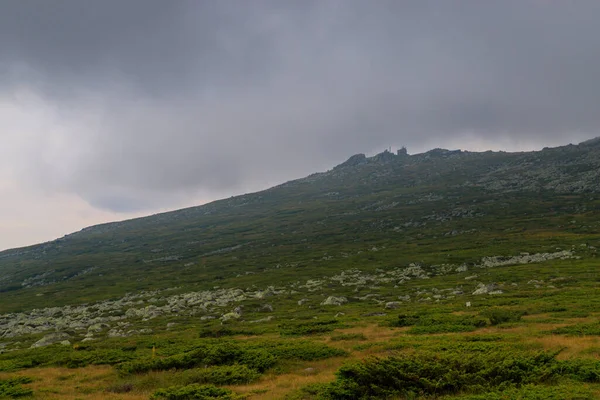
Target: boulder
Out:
[266,308]
[334,301]
[51,338]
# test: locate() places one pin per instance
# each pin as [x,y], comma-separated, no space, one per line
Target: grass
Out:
[301,348]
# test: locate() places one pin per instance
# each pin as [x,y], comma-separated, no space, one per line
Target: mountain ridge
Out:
[353,161]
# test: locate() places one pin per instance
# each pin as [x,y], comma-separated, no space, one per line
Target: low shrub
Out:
[592,329]
[439,323]
[221,375]
[536,392]
[348,336]
[195,392]
[219,331]
[304,350]
[499,316]
[120,388]
[308,328]
[258,356]
[11,388]
[429,374]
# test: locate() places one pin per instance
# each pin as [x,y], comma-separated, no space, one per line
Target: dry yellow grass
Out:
[273,386]
[91,382]
[570,345]
[71,384]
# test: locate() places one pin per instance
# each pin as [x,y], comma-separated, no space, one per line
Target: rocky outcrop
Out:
[334,301]
[52,338]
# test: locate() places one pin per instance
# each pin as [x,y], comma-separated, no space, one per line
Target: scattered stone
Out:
[392,305]
[51,339]
[374,314]
[302,301]
[334,301]
[267,319]
[266,308]
[486,289]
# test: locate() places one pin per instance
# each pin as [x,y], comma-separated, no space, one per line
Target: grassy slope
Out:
[317,227]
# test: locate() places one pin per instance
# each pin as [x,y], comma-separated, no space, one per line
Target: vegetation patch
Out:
[196,392]
[439,323]
[452,372]
[592,329]
[308,327]
[498,315]
[12,388]
[348,336]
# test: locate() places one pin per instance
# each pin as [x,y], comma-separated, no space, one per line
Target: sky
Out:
[114,109]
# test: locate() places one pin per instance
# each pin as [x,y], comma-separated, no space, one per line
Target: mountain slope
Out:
[415,204]
[485,262]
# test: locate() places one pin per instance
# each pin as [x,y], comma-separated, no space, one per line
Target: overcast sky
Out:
[117,108]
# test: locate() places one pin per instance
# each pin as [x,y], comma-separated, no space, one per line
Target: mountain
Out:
[467,258]
[402,202]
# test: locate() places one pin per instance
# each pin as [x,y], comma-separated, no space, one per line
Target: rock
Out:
[65,343]
[88,339]
[334,301]
[267,319]
[230,316]
[337,315]
[468,304]
[374,314]
[353,161]
[51,339]
[471,277]
[392,305]
[485,289]
[266,308]
[96,328]
[116,333]
[302,301]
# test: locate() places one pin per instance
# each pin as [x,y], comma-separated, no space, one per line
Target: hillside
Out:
[386,250]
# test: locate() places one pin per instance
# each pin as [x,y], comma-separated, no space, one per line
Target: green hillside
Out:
[467,275]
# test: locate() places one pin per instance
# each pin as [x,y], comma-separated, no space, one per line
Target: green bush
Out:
[219,331]
[304,350]
[405,320]
[536,392]
[259,356]
[592,329]
[501,315]
[308,328]
[222,375]
[348,336]
[194,392]
[11,388]
[429,374]
[439,323]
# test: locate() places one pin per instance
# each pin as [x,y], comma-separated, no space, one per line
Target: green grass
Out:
[377,220]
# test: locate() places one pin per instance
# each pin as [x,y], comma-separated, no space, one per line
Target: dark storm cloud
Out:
[189,97]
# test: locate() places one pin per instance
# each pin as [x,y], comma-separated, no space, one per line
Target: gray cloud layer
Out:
[161,101]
